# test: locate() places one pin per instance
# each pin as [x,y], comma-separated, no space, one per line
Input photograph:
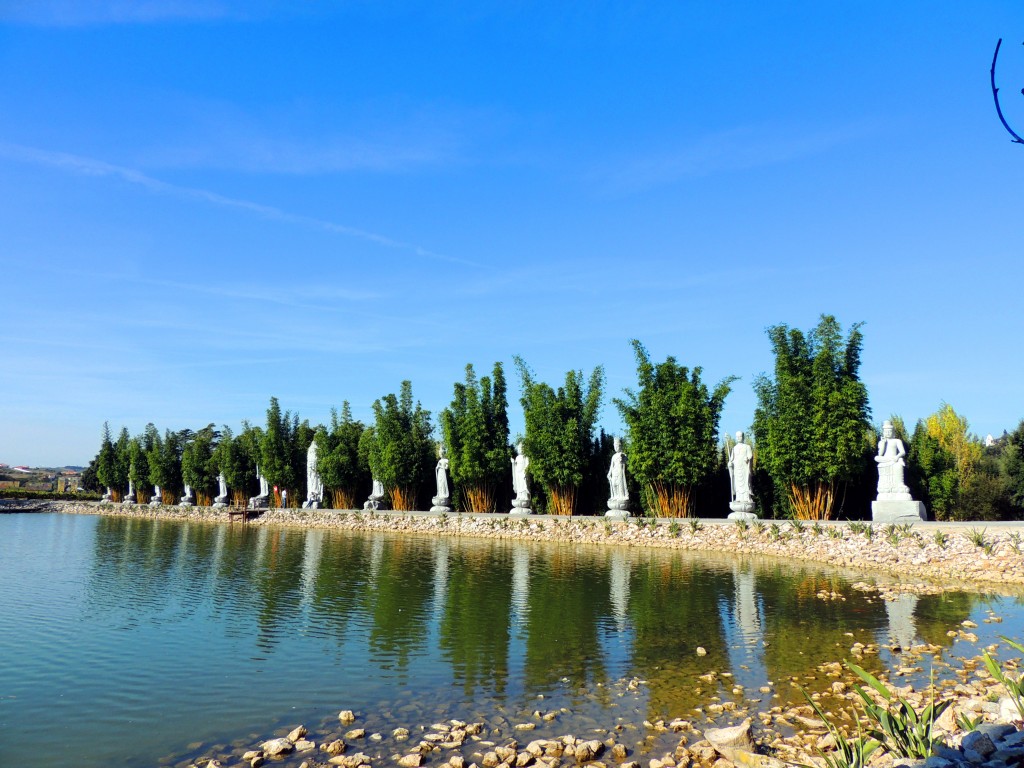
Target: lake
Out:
[138,641]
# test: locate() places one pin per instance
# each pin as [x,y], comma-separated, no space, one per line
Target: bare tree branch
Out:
[995,95]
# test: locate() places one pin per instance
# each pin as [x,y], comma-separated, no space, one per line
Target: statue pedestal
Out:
[618,509]
[742,510]
[520,507]
[374,503]
[897,511]
[259,502]
[220,502]
[441,505]
[311,504]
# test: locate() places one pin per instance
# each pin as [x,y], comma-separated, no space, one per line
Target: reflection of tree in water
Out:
[141,563]
[340,582]
[674,607]
[475,628]
[568,596]
[399,601]
[276,579]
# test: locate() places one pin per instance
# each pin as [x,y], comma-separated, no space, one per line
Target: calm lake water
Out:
[125,642]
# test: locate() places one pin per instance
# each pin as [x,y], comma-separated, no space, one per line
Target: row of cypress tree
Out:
[813,443]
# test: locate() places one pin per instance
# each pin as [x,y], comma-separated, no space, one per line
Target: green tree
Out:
[475,429]
[811,417]
[197,466]
[230,458]
[560,431]
[950,470]
[106,460]
[138,468]
[673,431]
[122,462]
[1012,469]
[276,448]
[342,471]
[164,459]
[401,451]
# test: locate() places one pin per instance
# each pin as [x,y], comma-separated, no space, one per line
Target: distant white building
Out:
[989,441]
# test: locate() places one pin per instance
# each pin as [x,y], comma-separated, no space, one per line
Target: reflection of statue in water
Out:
[618,498]
[221,499]
[521,503]
[314,485]
[444,496]
[741,460]
[890,458]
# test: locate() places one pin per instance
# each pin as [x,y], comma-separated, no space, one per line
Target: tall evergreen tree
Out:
[275,448]
[401,451]
[560,431]
[475,430]
[106,460]
[342,471]
[197,466]
[673,431]
[811,417]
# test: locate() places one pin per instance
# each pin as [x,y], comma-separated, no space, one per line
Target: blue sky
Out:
[209,203]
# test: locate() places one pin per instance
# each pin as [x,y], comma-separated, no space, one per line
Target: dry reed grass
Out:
[669,500]
[562,500]
[403,498]
[479,498]
[812,503]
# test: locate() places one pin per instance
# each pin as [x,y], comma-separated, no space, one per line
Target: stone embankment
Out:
[986,555]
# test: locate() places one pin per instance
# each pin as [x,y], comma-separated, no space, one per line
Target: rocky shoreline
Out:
[985,556]
[776,737]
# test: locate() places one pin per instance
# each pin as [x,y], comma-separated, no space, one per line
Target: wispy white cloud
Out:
[738,149]
[91,167]
[254,153]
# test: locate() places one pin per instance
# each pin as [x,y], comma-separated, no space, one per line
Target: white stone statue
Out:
[442,500]
[108,497]
[521,503]
[741,462]
[221,500]
[618,499]
[263,500]
[129,498]
[891,463]
[189,498]
[894,501]
[314,485]
[376,500]
[157,498]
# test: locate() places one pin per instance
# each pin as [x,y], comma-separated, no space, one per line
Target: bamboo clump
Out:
[478,498]
[343,499]
[812,504]
[670,500]
[562,500]
[403,498]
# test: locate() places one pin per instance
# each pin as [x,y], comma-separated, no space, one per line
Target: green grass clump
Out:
[898,727]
